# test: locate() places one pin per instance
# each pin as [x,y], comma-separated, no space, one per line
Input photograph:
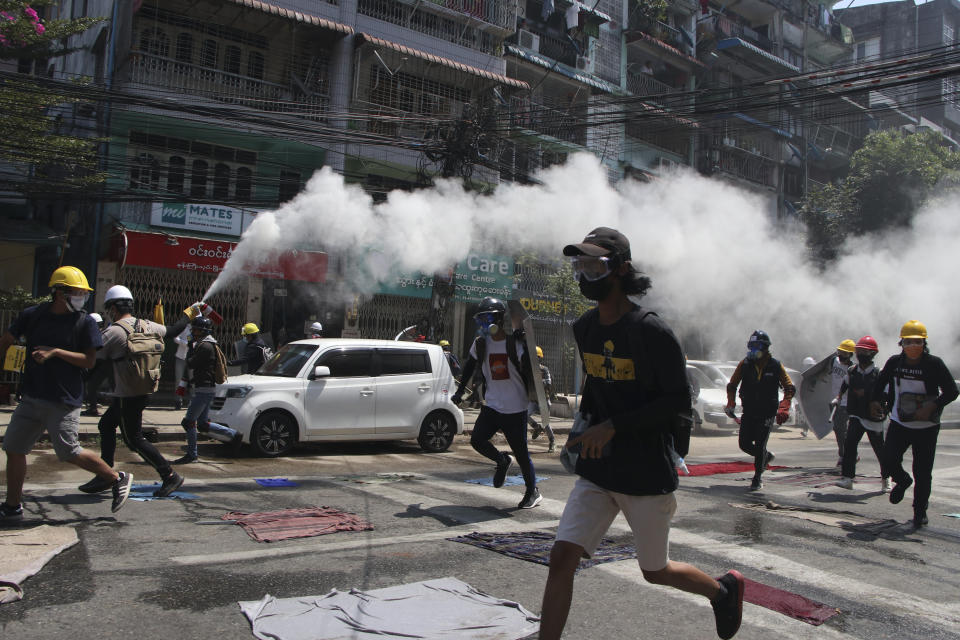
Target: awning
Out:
[646,37]
[297,16]
[429,57]
[729,43]
[184,253]
[564,70]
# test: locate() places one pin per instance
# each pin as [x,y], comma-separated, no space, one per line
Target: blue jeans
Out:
[196,419]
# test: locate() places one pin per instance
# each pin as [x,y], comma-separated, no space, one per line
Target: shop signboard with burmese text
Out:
[209,218]
[478,276]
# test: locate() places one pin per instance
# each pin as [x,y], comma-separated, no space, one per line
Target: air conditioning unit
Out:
[528,40]
[585,64]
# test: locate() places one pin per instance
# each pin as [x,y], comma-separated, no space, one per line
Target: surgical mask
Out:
[595,289]
[913,351]
[843,355]
[76,302]
[864,360]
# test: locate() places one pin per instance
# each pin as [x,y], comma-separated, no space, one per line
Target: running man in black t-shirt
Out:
[625,464]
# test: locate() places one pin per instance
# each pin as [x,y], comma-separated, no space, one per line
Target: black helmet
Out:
[202,323]
[761,338]
[491,305]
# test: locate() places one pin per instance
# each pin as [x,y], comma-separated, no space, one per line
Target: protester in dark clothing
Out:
[254,351]
[62,341]
[203,356]
[452,360]
[858,387]
[913,388]
[625,464]
[760,377]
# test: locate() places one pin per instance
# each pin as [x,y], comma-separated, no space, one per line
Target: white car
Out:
[712,398]
[323,390]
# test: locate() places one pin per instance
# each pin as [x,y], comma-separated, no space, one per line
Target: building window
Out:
[184,52]
[221,182]
[154,42]
[176,174]
[255,65]
[289,185]
[231,59]
[947,33]
[145,174]
[244,184]
[949,88]
[208,54]
[198,179]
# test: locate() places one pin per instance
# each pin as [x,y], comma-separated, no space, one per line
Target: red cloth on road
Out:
[789,604]
[270,526]
[710,468]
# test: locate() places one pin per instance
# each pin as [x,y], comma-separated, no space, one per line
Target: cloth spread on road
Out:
[23,553]
[144,493]
[275,482]
[711,468]
[534,546]
[809,478]
[441,609]
[380,478]
[789,604]
[271,526]
[509,481]
[831,517]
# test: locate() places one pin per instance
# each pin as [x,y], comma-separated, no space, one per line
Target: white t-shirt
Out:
[505,390]
[839,372]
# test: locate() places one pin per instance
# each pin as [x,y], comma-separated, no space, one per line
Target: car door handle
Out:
[366,392]
[423,388]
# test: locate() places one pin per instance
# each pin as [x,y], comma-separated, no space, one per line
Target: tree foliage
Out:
[890,178]
[29,136]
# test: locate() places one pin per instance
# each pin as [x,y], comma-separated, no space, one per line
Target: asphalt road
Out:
[159,569]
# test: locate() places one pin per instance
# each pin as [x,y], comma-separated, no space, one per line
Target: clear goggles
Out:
[485,319]
[590,268]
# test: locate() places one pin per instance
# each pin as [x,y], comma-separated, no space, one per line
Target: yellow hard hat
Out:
[444,343]
[69,277]
[847,345]
[539,352]
[913,329]
[249,328]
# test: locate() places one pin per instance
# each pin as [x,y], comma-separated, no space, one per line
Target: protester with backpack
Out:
[208,368]
[625,463]
[62,341]
[505,366]
[134,346]
[255,350]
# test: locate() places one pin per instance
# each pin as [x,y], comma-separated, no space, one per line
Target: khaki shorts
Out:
[590,511]
[32,417]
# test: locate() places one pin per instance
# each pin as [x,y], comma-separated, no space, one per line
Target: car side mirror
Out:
[320,372]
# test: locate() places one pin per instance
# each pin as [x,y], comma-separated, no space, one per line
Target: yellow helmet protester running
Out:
[913,329]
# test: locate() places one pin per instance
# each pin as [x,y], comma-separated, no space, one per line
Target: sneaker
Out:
[899,489]
[803,434]
[920,519]
[756,485]
[10,513]
[530,499]
[728,608]
[768,459]
[170,484]
[885,485]
[121,490]
[552,448]
[840,461]
[500,475]
[236,443]
[97,485]
[845,483]
[537,431]
[187,459]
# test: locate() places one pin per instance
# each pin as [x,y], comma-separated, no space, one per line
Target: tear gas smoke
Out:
[720,268]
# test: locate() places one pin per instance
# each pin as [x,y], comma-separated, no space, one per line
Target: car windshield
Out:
[287,362]
[699,378]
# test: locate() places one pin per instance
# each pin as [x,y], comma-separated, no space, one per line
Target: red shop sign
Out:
[210,256]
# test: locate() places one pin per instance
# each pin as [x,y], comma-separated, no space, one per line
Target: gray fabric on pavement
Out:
[23,552]
[440,609]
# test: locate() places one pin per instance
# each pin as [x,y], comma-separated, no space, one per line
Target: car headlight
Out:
[239,392]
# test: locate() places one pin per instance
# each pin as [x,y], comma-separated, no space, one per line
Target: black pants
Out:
[855,432]
[923,443]
[754,433]
[514,428]
[840,419]
[131,428]
[101,372]
[107,426]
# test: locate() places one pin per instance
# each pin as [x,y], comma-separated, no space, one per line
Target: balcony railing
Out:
[562,124]
[232,88]
[724,27]
[755,145]
[750,168]
[642,84]
[660,31]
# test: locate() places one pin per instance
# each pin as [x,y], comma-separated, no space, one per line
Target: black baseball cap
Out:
[602,241]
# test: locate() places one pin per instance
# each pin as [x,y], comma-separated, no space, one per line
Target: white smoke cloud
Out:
[720,267]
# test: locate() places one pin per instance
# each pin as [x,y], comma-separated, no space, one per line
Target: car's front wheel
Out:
[437,432]
[274,434]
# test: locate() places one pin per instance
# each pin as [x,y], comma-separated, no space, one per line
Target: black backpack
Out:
[681,425]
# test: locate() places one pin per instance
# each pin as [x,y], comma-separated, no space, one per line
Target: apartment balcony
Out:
[642,84]
[732,163]
[153,72]
[656,40]
[549,118]
[746,45]
[831,147]
[493,16]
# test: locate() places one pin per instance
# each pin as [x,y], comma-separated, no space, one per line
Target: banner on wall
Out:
[477,277]
[209,218]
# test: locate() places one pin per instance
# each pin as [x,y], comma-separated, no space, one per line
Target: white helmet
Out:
[809,362]
[115,293]
[96,317]
[316,327]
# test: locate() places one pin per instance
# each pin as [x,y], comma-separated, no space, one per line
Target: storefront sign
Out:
[210,218]
[210,256]
[477,277]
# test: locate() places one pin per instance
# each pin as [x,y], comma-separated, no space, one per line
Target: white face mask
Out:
[76,302]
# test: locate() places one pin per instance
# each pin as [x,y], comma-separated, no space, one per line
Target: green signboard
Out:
[477,277]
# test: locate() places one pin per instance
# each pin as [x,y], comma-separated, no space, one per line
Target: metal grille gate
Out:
[178,290]
[384,316]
